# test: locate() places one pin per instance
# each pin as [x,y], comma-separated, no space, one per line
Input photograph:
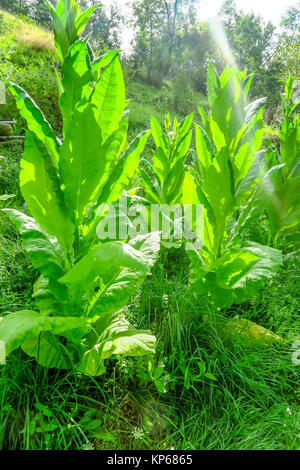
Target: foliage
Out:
[68,23]
[148,20]
[15,6]
[104,28]
[162,178]
[83,283]
[288,48]
[282,199]
[223,178]
[158,28]
[251,43]
[211,371]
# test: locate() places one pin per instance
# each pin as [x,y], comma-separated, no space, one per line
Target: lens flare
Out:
[217,32]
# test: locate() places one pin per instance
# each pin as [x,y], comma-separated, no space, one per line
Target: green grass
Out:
[200,391]
[270,131]
[147,100]
[252,404]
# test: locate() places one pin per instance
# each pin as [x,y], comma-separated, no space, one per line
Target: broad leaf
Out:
[104,261]
[108,98]
[19,327]
[82,159]
[121,285]
[40,186]
[114,335]
[237,275]
[36,121]
[44,251]
[77,75]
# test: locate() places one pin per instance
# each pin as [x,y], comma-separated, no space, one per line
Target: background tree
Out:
[288,47]
[105,26]
[40,13]
[253,45]
[15,6]
[148,21]
[159,27]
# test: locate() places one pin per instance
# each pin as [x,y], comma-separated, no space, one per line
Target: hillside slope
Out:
[27,57]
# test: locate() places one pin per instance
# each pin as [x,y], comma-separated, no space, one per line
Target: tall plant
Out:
[225,176]
[162,176]
[283,197]
[84,284]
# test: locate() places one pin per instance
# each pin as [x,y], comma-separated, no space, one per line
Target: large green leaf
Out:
[118,173]
[44,251]
[51,297]
[115,335]
[108,98]
[103,62]
[217,187]
[19,327]
[158,136]
[83,18]
[115,146]
[40,186]
[104,261]
[212,83]
[163,176]
[123,171]
[82,159]
[77,76]
[227,112]
[204,148]
[172,186]
[68,23]
[36,121]
[263,198]
[48,353]
[290,146]
[247,148]
[283,207]
[61,39]
[192,194]
[122,283]
[237,275]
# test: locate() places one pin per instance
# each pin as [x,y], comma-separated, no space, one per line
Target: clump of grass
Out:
[26,32]
[250,400]
[250,397]
[16,271]
[29,35]
[270,131]
[198,392]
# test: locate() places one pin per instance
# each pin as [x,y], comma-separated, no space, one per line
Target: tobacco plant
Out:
[84,284]
[162,176]
[226,175]
[283,197]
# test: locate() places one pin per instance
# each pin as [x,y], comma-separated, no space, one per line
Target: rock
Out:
[251,333]
[5,130]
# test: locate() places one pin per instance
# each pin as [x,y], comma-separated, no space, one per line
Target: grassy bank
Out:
[203,389]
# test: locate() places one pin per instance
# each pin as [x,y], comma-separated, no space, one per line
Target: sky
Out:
[270,10]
